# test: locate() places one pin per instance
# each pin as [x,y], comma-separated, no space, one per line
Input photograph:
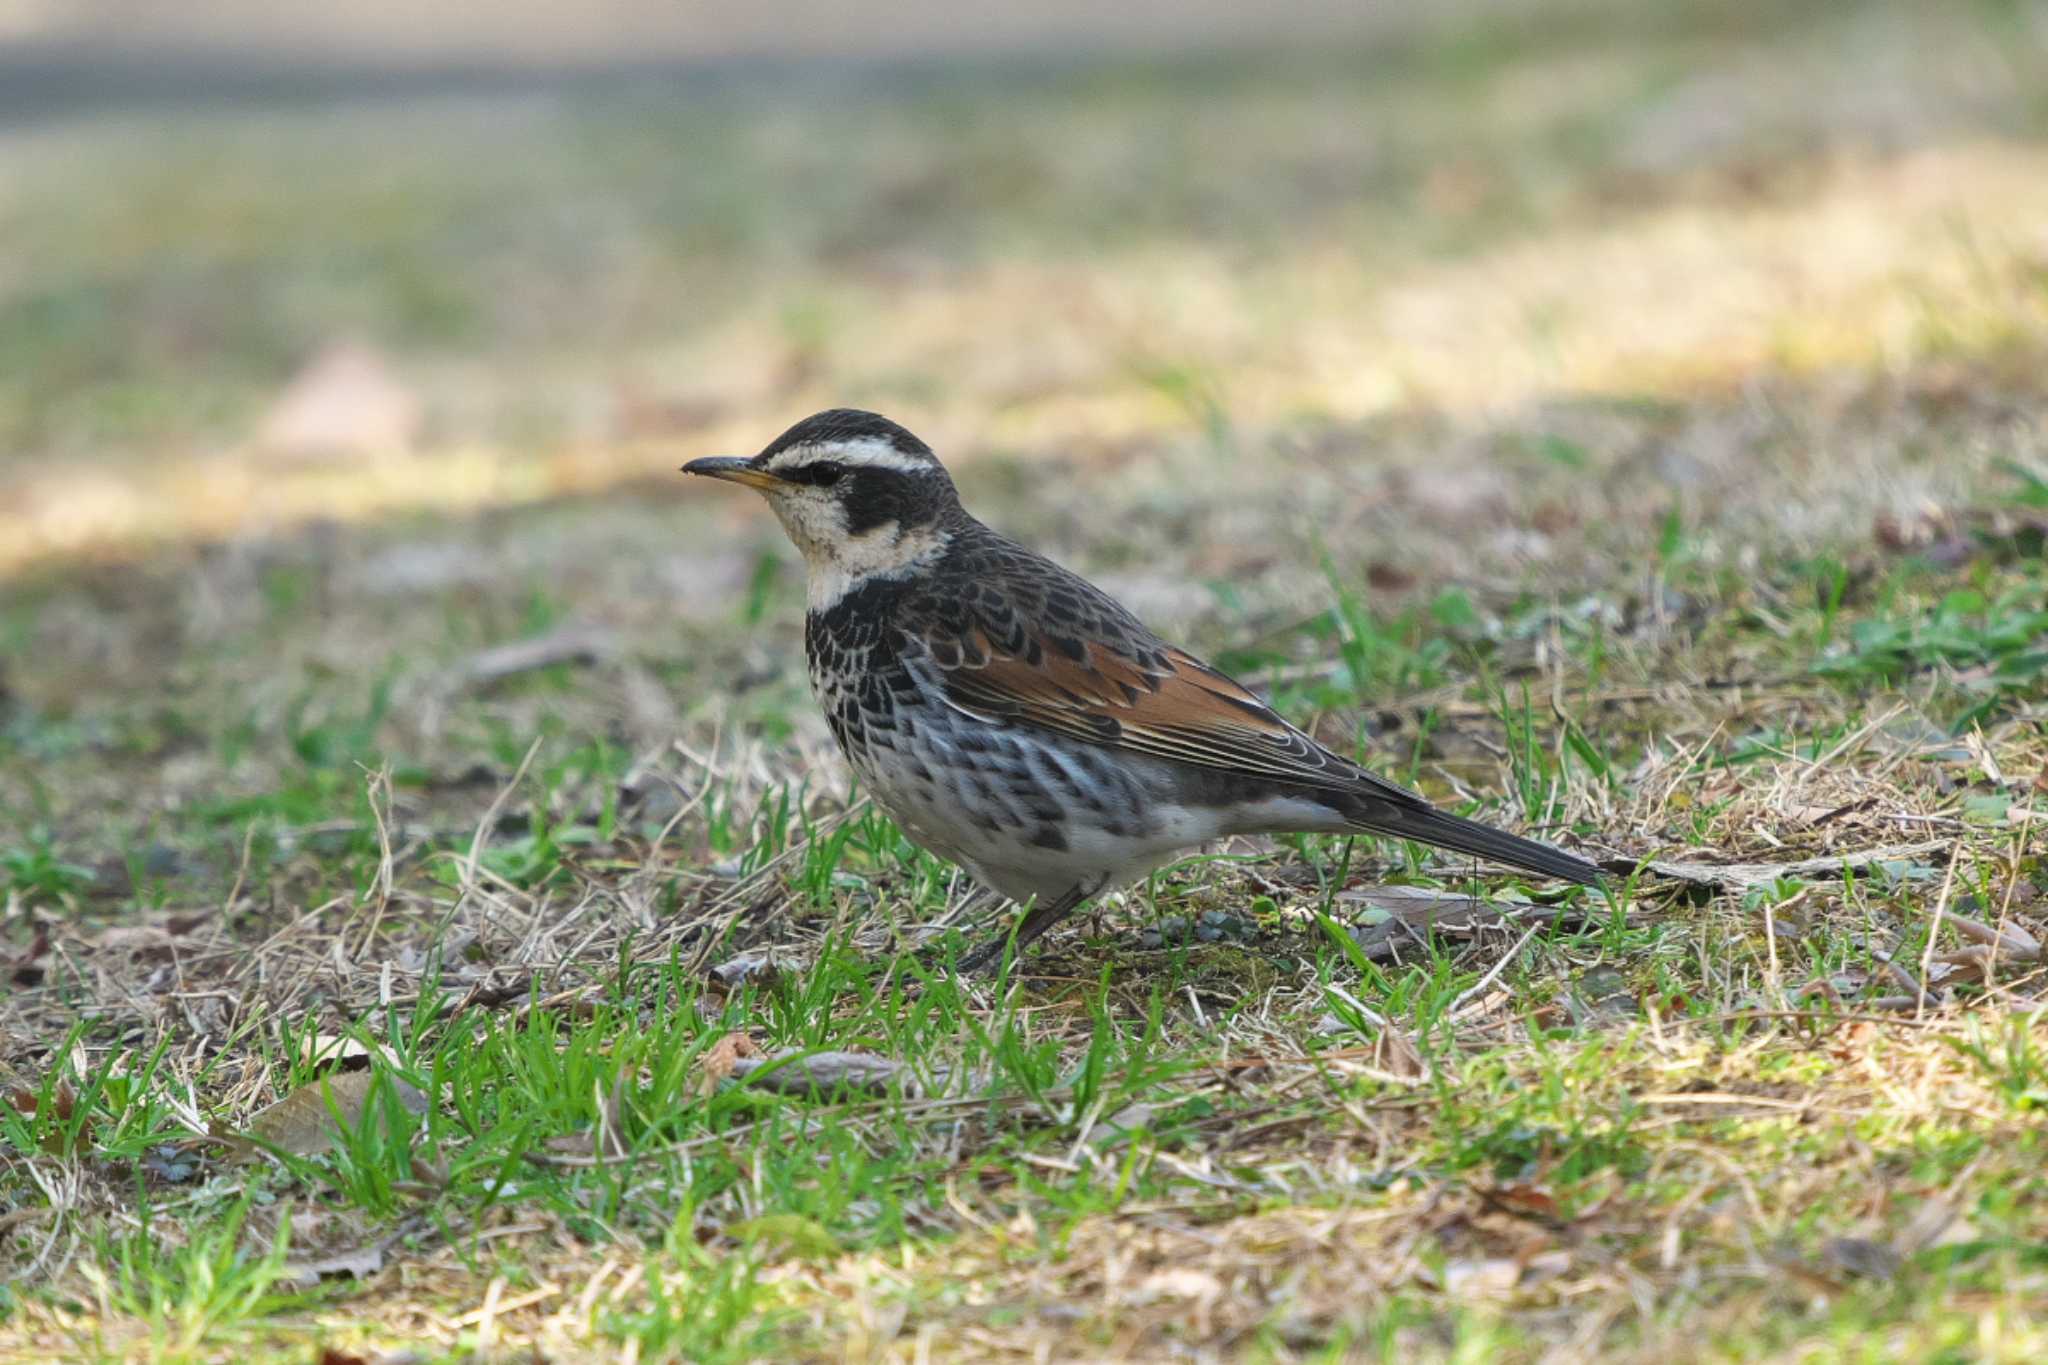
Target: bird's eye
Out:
[824,473]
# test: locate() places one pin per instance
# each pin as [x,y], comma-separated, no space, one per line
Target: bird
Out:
[1015,719]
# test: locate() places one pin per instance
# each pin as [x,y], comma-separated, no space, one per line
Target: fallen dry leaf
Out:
[1491,1277]
[27,1102]
[1395,1053]
[311,1119]
[1973,963]
[1528,1201]
[1197,1289]
[63,1104]
[342,1052]
[132,938]
[719,1063]
[1180,1282]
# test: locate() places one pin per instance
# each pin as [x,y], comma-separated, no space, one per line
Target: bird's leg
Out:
[1042,916]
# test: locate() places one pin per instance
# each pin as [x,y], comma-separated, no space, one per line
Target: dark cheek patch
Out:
[868,504]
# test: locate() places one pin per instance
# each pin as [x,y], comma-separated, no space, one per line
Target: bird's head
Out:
[857,493]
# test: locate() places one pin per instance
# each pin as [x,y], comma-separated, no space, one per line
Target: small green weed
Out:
[34,871]
[1996,647]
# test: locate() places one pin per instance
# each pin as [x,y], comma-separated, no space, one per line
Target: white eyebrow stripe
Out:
[866,453]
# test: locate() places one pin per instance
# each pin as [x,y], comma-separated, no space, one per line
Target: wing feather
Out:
[1141,695]
[1013,637]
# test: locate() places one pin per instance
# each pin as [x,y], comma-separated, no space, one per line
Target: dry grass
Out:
[1611,1135]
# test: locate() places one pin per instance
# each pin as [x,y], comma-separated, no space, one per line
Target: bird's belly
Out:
[1027,815]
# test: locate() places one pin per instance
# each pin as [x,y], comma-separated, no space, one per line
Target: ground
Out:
[435,920]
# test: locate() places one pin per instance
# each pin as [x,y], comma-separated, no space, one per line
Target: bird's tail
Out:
[1427,825]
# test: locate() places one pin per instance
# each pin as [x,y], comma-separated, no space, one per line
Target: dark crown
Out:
[835,425]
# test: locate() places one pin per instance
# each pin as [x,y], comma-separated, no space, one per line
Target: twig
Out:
[1948,882]
[490,820]
[379,780]
[1485,983]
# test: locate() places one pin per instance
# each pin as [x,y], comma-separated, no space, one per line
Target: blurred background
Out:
[341,343]
[264,264]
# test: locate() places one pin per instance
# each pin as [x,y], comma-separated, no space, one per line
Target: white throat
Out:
[836,568]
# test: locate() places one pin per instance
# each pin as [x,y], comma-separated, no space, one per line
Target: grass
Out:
[360,997]
[746,1213]
[1273,1142]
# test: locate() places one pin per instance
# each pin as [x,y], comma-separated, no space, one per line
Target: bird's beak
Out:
[734,469]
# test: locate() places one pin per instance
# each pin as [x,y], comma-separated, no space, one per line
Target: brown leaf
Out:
[63,1101]
[63,1104]
[331,1356]
[1395,1053]
[303,1124]
[1528,1201]
[724,1056]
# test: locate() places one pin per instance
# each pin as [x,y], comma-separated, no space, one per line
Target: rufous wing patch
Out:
[1178,708]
